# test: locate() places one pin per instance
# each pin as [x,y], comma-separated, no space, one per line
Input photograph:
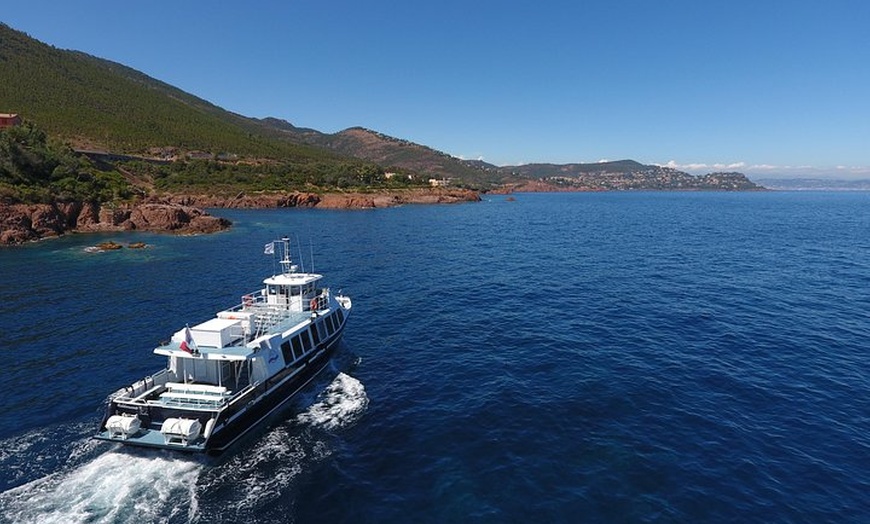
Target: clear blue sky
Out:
[761,86]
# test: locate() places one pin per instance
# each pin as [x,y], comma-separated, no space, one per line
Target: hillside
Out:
[394,154]
[98,104]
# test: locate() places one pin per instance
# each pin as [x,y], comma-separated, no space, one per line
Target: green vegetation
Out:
[104,105]
[97,104]
[37,169]
[208,176]
[34,169]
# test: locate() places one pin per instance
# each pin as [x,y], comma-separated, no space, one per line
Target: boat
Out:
[227,375]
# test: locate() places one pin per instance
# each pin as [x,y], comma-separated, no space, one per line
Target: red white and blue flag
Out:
[188,345]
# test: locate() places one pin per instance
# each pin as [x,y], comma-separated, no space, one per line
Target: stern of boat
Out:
[167,415]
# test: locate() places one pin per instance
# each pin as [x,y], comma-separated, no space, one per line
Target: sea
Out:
[576,357]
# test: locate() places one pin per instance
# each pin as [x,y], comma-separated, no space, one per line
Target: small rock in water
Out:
[109,246]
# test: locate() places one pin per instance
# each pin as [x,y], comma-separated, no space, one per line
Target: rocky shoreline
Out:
[337,200]
[183,214]
[26,222]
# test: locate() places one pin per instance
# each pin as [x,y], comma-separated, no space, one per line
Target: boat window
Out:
[306,340]
[285,349]
[294,290]
[330,326]
[321,330]
[340,316]
[226,374]
[314,334]
[297,346]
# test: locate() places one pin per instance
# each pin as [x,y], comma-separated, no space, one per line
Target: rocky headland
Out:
[184,214]
[26,222]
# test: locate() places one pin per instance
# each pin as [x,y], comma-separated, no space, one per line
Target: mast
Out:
[287,265]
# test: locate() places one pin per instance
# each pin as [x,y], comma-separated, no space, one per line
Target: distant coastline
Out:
[814,184]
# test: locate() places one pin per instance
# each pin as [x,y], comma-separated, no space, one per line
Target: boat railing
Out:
[140,390]
[268,315]
[318,300]
[249,301]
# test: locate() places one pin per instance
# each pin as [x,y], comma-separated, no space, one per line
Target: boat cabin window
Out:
[330,325]
[340,316]
[321,330]
[306,341]
[285,349]
[297,346]
[314,334]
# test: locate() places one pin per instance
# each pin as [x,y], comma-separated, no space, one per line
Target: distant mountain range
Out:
[97,104]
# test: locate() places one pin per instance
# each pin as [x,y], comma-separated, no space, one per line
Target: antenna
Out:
[311,248]
[301,258]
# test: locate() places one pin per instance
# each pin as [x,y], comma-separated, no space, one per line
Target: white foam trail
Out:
[340,404]
[114,487]
[253,479]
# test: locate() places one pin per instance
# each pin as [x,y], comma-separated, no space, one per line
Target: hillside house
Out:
[9,120]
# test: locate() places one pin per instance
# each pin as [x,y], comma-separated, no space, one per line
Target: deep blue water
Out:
[604,357]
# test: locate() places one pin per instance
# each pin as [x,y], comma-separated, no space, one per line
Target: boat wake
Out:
[339,405]
[77,480]
[116,486]
[257,483]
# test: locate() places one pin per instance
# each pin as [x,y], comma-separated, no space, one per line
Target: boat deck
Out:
[276,320]
[153,438]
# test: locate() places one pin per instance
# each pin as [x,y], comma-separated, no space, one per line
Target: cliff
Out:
[25,222]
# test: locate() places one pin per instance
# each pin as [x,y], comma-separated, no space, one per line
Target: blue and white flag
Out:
[269,248]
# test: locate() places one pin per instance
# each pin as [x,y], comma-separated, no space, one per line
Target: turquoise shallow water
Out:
[608,357]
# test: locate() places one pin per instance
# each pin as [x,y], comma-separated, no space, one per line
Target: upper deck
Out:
[287,301]
[235,333]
